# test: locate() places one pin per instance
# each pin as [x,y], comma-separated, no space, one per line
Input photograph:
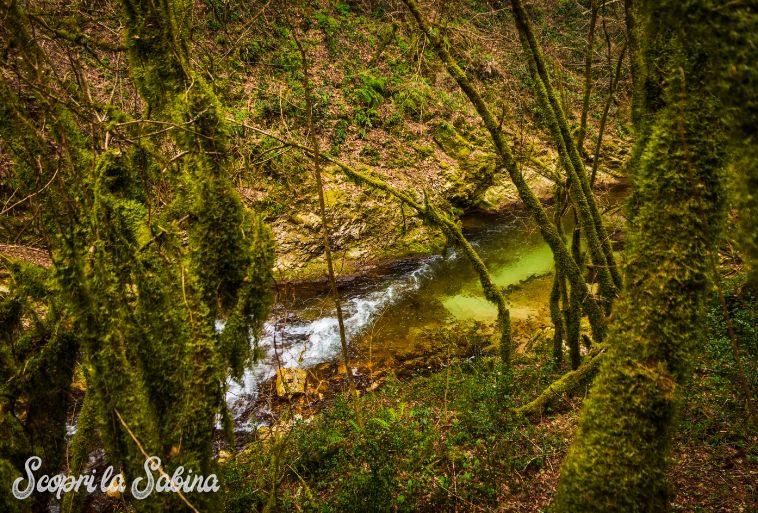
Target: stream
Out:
[391,306]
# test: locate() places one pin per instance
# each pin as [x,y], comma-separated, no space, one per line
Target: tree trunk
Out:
[618,460]
[316,154]
[588,57]
[547,228]
[581,194]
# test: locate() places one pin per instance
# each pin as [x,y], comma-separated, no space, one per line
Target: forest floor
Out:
[444,440]
[386,105]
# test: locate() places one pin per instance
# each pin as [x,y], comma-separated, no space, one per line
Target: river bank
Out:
[432,440]
[403,316]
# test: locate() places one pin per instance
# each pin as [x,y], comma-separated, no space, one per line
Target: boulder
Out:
[466,183]
[310,220]
[223,456]
[290,382]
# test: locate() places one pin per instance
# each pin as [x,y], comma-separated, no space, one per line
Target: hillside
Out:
[385,101]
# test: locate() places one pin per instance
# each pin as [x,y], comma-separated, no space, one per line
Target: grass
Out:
[445,441]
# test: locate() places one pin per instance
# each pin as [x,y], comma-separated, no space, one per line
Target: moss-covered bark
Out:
[557,289]
[615,77]
[566,383]
[230,252]
[588,58]
[140,304]
[533,205]
[738,88]
[618,461]
[581,193]
[37,365]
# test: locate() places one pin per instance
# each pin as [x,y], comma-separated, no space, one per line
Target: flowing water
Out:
[392,306]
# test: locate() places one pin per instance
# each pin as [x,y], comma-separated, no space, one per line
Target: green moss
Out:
[416,99]
[126,296]
[618,462]
[475,170]
[451,142]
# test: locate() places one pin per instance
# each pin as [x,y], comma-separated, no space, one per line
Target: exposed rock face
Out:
[290,382]
[474,173]
[363,226]
[309,220]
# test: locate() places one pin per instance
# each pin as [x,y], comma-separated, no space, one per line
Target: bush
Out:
[415,99]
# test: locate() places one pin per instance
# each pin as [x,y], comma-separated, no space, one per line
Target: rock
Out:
[252,195]
[309,220]
[277,430]
[500,195]
[290,382]
[356,253]
[224,456]
[349,230]
[464,185]
[268,434]
[264,433]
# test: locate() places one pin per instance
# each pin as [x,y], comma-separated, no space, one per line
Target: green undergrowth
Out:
[445,441]
[715,445]
[715,412]
[431,443]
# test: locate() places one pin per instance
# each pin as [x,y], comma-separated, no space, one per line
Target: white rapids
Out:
[303,344]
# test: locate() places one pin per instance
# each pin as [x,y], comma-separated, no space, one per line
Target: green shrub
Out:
[329,26]
[415,98]
[370,93]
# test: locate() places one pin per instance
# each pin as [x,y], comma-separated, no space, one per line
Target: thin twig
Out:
[160,468]
[30,196]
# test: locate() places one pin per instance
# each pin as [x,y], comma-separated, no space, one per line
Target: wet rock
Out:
[309,220]
[223,456]
[113,490]
[290,382]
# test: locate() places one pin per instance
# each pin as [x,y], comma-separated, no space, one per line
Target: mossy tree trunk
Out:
[615,74]
[583,198]
[589,55]
[230,251]
[618,460]
[140,303]
[559,285]
[547,228]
